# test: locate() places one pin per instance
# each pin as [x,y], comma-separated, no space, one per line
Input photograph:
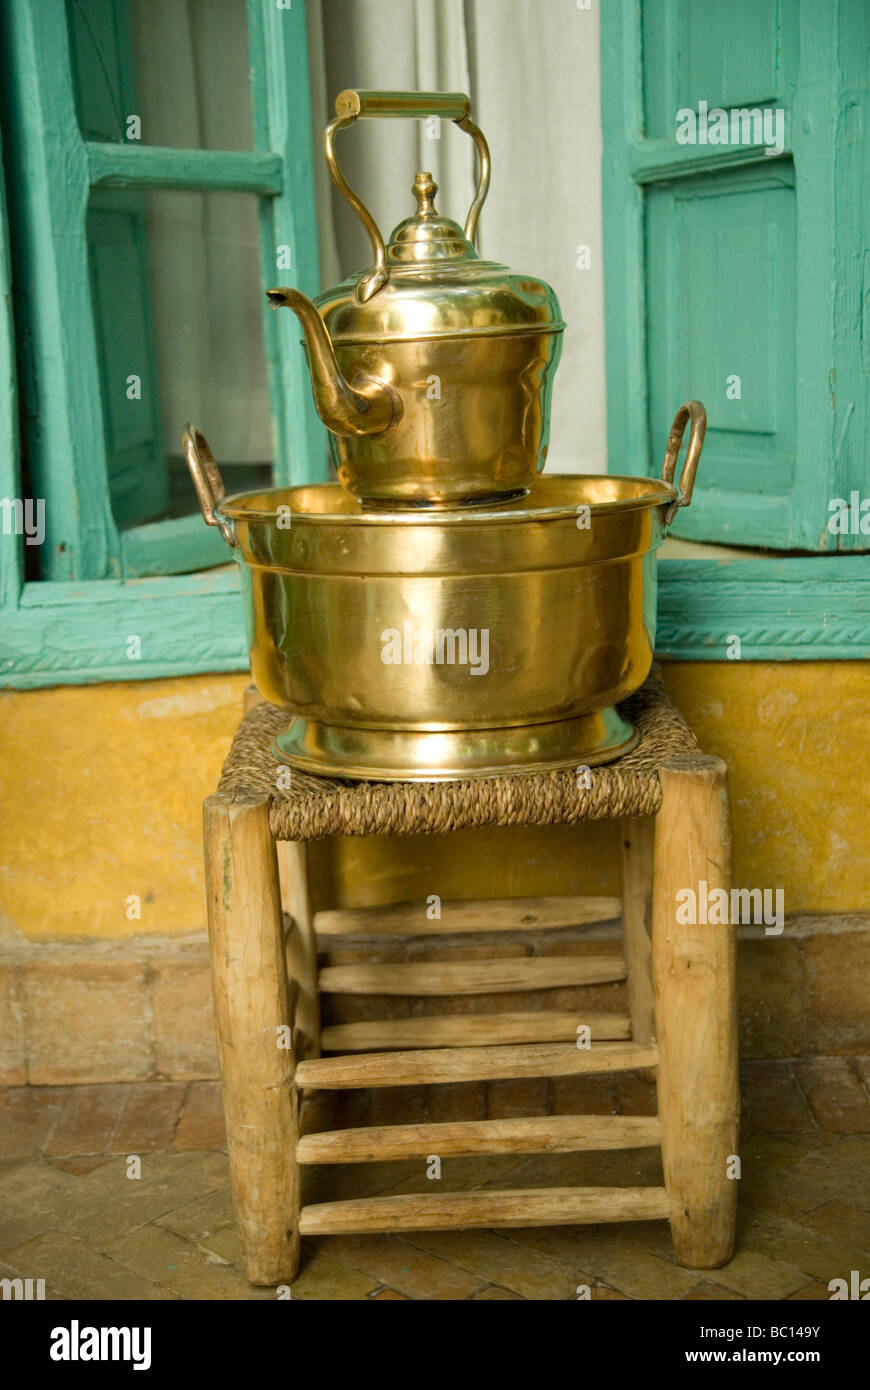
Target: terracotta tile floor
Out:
[74,1212]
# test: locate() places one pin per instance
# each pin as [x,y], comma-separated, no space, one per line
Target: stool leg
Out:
[694,967]
[637,881]
[251,1005]
[300,947]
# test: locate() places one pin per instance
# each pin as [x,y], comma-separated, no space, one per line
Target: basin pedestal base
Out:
[447,755]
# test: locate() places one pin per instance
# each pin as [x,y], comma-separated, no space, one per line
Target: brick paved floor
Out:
[71,1212]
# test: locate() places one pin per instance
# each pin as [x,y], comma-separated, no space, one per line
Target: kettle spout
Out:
[370,408]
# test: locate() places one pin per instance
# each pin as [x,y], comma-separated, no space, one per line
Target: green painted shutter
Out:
[734,274]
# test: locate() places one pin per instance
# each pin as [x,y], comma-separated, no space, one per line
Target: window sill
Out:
[793,608]
[75,634]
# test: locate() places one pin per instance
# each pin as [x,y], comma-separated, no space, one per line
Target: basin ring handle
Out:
[449,106]
[207,480]
[690,411]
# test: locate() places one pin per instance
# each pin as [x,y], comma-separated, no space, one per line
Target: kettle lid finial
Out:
[424,190]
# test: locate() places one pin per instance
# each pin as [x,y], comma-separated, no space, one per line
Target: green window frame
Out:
[807,606]
[102,586]
[75,627]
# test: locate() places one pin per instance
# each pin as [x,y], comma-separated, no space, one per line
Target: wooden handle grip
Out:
[450,106]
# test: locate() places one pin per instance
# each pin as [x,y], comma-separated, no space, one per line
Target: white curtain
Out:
[531,68]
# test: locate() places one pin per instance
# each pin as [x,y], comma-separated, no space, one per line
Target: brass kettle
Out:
[432,370]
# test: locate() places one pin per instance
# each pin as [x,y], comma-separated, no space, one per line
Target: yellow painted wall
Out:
[101,789]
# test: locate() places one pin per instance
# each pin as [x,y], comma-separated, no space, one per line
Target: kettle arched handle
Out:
[350,106]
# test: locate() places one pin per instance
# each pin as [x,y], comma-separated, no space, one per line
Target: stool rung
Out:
[479,914]
[553,1206]
[469,1030]
[471,976]
[433,1066]
[535,1134]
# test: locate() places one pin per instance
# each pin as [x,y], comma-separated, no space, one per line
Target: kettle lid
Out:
[427,236]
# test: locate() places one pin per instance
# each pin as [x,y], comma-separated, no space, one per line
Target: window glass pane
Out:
[180,66]
[123,320]
[209,302]
[178,305]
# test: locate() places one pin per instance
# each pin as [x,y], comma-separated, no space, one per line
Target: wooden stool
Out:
[673,807]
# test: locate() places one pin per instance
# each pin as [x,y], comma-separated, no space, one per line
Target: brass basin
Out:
[428,646]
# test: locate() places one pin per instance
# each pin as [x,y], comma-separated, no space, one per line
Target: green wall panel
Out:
[721,327]
[694,50]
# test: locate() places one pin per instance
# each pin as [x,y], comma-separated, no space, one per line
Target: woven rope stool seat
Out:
[313,807]
[268,936]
